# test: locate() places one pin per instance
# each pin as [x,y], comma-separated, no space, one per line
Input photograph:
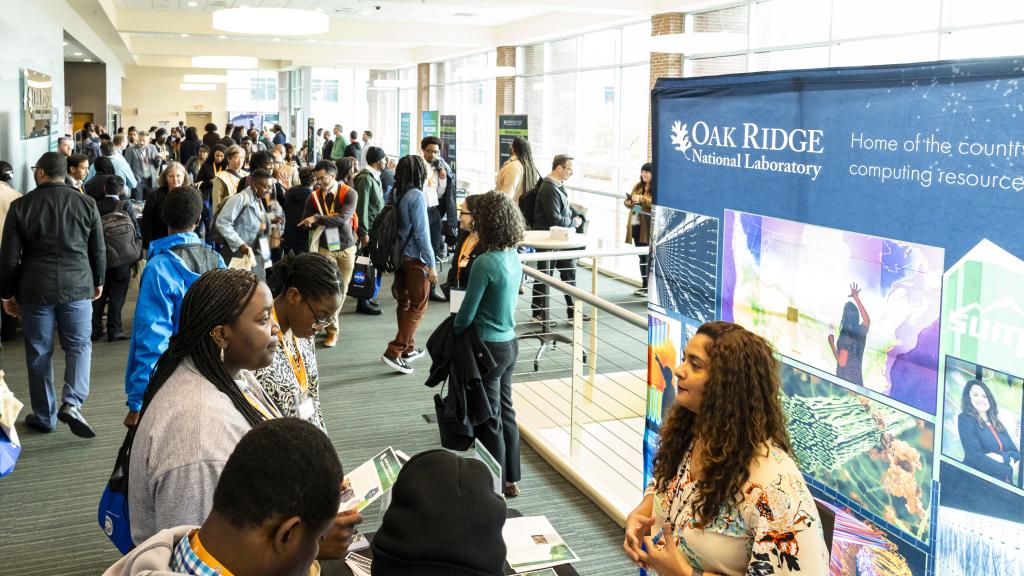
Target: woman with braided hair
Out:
[727,497]
[201,400]
[307,296]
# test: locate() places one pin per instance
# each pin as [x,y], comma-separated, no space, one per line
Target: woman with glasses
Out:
[307,296]
[467,248]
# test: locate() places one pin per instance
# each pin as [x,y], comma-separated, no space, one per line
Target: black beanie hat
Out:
[374,154]
[444,520]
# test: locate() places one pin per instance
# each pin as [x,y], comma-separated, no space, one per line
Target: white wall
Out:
[33,37]
[152,94]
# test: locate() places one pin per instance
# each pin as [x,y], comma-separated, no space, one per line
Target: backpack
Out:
[124,244]
[385,253]
[527,203]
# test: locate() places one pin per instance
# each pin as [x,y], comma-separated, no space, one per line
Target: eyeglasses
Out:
[319,323]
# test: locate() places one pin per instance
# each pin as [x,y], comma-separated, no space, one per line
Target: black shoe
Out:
[416,354]
[72,416]
[34,423]
[374,303]
[98,336]
[397,364]
[436,296]
[119,337]
[368,310]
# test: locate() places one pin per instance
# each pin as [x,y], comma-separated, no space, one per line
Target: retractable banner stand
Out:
[448,137]
[866,221]
[430,124]
[405,134]
[510,126]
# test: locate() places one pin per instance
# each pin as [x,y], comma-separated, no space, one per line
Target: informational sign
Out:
[36,103]
[405,134]
[430,123]
[510,127]
[448,138]
[313,147]
[866,222]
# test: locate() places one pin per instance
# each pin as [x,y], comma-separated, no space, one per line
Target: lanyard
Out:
[464,254]
[298,365]
[995,435]
[317,201]
[204,556]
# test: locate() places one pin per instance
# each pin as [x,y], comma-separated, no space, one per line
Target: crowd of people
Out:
[244,250]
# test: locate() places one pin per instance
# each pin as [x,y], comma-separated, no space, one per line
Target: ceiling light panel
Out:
[276,21]
[239,62]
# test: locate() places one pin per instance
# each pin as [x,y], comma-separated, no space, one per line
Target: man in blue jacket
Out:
[174,263]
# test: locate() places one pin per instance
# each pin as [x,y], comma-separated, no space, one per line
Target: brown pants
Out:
[412,290]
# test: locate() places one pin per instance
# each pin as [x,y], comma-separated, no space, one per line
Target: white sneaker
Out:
[397,364]
[416,354]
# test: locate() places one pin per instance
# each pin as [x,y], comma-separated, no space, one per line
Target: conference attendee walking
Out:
[211,138]
[307,295]
[189,147]
[638,226]
[440,191]
[369,203]
[144,160]
[329,215]
[173,264]
[243,224]
[416,272]
[279,136]
[519,174]
[354,148]
[727,496]
[337,150]
[78,169]
[365,148]
[153,225]
[489,305]
[227,180]
[551,208]
[121,241]
[120,166]
[48,277]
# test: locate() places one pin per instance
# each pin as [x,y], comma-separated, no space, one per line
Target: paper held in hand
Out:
[367,483]
[533,544]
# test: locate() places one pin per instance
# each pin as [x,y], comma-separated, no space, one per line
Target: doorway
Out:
[198,119]
[78,120]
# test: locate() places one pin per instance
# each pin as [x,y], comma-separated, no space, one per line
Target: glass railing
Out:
[580,385]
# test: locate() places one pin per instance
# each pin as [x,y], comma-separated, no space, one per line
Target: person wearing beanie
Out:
[369,203]
[444,520]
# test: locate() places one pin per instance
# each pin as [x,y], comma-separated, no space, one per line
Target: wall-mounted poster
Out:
[36,103]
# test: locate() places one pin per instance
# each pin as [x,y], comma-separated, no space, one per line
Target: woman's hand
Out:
[637,526]
[854,291]
[665,557]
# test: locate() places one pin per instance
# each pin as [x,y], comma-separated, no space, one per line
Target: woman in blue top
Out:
[490,305]
[987,445]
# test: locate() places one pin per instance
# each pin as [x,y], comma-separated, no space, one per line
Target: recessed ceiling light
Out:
[65,43]
[277,39]
[365,12]
[78,53]
[311,40]
[193,4]
[205,79]
[222,36]
[267,21]
[318,10]
[224,62]
[88,59]
[184,35]
[186,87]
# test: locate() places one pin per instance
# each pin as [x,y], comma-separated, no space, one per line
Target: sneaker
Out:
[642,292]
[332,340]
[415,354]
[397,364]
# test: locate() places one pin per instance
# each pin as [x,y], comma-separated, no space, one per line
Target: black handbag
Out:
[363,284]
[455,433]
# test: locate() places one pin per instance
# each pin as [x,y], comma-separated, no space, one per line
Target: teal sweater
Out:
[491,295]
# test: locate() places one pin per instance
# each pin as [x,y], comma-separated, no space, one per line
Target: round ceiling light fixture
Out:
[276,21]
[233,62]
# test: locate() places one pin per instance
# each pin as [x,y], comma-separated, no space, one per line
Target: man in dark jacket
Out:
[368,205]
[211,138]
[45,276]
[108,200]
[354,147]
[296,238]
[552,209]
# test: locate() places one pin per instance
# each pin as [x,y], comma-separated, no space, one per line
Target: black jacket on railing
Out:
[52,250]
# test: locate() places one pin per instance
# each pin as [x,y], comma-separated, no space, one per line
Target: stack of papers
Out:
[367,483]
[533,544]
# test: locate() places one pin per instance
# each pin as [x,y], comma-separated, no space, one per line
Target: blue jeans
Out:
[74,326]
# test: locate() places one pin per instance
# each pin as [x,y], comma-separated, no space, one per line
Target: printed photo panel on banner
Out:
[980,526]
[878,456]
[982,420]
[684,262]
[863,308]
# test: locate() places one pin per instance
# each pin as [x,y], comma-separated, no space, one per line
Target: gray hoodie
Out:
[152,557]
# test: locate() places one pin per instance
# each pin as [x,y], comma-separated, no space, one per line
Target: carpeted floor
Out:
[48,504]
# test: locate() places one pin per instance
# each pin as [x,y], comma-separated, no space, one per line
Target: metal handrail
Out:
[596,192]
[597,303]
[573,254]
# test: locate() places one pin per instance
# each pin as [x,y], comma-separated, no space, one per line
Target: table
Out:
[339,568]
[542,241]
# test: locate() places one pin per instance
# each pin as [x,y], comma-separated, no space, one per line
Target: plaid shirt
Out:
[186,561]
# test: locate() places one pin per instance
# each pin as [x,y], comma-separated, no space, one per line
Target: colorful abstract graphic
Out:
[877,456]
[861,307]
[1001,395]
[859,547]
[684,263]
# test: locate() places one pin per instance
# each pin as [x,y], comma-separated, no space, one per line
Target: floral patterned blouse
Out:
[774,529]
[281,384]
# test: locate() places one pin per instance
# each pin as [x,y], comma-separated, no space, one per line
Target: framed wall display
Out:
[36,103]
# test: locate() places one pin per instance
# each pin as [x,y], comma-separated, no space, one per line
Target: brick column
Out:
[422,102]
[505,95]
[663,65]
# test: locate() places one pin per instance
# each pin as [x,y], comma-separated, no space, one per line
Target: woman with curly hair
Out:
[727,497]
[467,248]
[489,305]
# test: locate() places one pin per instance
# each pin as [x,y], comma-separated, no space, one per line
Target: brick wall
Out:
[663,65]
[422,101]
[504,93]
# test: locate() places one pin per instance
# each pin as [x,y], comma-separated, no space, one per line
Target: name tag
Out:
[333,239]
[306,409]
[455,299]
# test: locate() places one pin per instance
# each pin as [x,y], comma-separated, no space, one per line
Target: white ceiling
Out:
[75,52]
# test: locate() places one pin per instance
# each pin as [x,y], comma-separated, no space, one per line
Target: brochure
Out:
[533,544]
[544,572]
[367,483]
[358,564]
[480,453]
